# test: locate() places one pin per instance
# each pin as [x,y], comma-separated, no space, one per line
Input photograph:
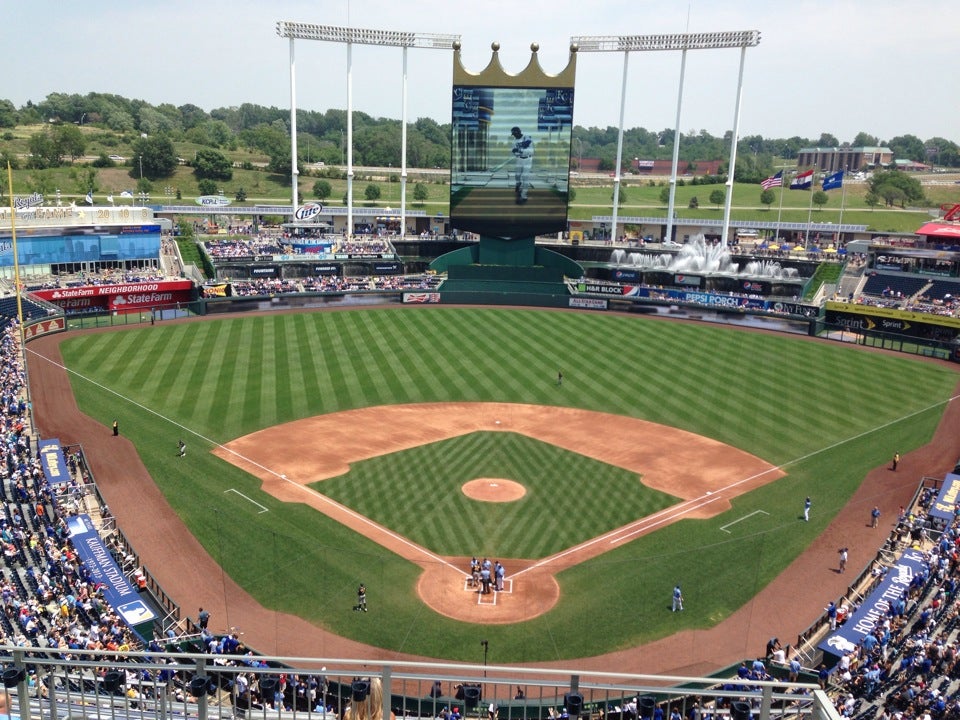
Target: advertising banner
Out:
[107,575]
[599,288]
[587,303]
[329,269]
[869,318]
[54,464]
[626,275]
[421,297]
[43,327]
[387,268]
[875,606]
[944,507]
[218,290]
[93,291]
[125,297]
[265,271]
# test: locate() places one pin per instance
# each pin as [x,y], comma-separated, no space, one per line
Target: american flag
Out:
[773,181]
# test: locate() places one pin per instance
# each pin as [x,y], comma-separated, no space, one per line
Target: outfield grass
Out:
[828,413]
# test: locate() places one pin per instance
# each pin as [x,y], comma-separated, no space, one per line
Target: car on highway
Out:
[117,158]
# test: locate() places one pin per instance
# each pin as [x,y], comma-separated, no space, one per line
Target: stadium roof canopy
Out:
[940,230]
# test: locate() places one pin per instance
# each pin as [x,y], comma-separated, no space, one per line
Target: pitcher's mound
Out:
[493,490]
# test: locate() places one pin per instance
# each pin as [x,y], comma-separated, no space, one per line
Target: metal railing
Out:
[66,683]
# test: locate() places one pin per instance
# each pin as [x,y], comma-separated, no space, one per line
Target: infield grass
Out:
[826,412]
[532,527]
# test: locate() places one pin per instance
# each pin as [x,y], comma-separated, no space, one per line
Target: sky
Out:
[883,67]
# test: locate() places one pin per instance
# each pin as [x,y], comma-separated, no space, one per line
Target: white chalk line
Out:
[748,515]
[250,500]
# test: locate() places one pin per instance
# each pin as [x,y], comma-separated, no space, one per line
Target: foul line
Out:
[749,515]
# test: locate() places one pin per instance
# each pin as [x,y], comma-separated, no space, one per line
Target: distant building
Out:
[910,166]
[638,166]
[665,167]
[844,158]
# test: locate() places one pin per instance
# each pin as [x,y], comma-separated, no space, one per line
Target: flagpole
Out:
[16,260]
[783,186]
[843,197]
[806,240]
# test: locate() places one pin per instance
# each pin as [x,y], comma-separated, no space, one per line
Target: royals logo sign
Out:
[22,202]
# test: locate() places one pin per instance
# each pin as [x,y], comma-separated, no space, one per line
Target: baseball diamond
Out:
[713,417]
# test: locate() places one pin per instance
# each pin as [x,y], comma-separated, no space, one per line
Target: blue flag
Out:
[831,182]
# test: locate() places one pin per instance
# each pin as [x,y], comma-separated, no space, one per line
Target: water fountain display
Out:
[699,256]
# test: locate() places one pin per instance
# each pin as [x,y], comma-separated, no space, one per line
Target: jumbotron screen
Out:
[510,160]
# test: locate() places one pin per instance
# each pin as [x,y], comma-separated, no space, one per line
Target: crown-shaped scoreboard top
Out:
[493,75]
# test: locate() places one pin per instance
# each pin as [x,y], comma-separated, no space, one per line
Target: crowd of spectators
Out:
[285,244]
[246,247]
[49,599]
[907,667]
[105,277]
[333,284]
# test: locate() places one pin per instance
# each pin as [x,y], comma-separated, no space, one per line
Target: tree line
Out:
[321,138]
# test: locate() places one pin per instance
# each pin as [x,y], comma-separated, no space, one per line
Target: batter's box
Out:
[491,597]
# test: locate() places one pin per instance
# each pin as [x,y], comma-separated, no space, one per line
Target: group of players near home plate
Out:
[486,576]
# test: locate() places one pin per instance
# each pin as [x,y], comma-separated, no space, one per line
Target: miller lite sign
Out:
[308,211]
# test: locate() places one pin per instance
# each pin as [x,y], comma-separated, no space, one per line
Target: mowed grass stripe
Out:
[538,356]
[455,374]
[412,353]
[206,348]
[292,374]
[353,379]
[252,367]
[388,338]
[337,394]
[138,370]
[225,397]
[464,368]
[512,363]
[307,349]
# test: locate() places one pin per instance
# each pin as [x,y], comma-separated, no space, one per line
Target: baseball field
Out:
[332,448]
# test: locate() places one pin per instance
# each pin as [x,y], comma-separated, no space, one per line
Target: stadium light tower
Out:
[349,36]
[672,42]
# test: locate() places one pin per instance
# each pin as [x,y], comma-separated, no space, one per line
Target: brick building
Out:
[844,158]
